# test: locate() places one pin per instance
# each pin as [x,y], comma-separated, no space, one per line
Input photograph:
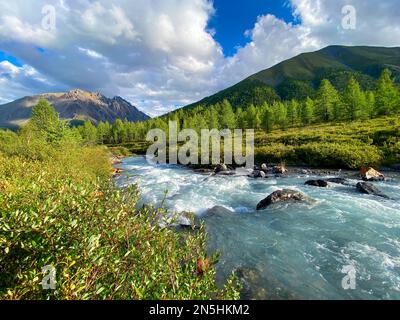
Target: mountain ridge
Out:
[303,73]
[73,105]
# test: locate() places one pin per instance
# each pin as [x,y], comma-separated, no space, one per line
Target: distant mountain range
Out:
[76,105]
[300,76]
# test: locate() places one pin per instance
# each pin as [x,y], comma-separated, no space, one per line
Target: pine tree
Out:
[280,114]
[253,118]
[387,94]
[227,116]
[353,100]
[103,132]
[117,132]
[213,121]
[199,123]
[338,109]
[327,100]
[292,111]
[369,108]
[267,118]
[88,132]
[307,111]
[241,118]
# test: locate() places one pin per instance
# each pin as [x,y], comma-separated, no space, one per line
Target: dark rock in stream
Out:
[337,180]
[285,195]
[204,171]
[325,182]
[226,173]
[258,174]
[221,168]
[369,188]
[317,183]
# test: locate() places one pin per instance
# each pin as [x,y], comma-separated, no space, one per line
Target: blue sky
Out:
[4,56]
[233,18]
[163,54]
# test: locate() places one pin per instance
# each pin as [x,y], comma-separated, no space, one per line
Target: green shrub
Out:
[342,145]
[333,155]
[101,246]
[275,153]
[391,149]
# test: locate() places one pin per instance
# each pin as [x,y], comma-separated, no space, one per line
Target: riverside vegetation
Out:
[59,207]
[344,127]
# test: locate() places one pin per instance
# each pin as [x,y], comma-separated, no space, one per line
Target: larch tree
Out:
[227,116]
[267,117]
[292,111]
[353,100]
[387,94]
[307,111]
[280,114]
[327,100]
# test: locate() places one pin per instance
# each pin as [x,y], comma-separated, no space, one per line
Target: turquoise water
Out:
[290,251]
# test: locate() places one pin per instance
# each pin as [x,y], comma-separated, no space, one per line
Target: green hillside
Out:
[300,76]
[333,145]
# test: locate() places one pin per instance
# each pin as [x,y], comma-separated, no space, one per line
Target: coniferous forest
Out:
[319,130]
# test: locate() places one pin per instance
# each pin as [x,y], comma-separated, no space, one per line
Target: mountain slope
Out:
[73,105]
[300,76]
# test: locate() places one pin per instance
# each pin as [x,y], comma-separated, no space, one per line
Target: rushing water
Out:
[290,251]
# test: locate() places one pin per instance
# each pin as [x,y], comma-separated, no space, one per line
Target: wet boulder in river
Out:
[370,174]
[369,188]
[262,174]
[317,183]
[279,169]
[337,180]
[220,210]
[217,213]
[285,195]
[221,168]
[258,174]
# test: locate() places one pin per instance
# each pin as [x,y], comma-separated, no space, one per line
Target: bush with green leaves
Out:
[349,146]
[101,246]
[335,155]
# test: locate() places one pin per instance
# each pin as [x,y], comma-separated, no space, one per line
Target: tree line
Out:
[328,105]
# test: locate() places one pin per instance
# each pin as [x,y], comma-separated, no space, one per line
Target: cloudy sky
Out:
[161,54]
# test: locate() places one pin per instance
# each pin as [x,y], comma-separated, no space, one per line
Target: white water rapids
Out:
[294,251]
